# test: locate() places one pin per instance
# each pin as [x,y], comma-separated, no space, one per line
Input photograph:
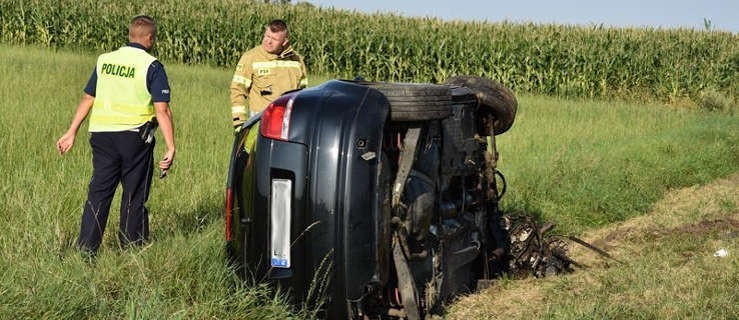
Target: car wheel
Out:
[495,99]
[416,102]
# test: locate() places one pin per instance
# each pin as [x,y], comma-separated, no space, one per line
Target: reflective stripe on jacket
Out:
[262,77]
[122,100]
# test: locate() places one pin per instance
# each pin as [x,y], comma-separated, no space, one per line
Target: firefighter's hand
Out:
[238,118]
[65,143]
[166,162]
[238,121]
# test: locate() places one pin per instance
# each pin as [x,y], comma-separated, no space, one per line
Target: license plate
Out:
[280,218]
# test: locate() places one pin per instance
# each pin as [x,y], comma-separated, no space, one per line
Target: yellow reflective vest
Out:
[122,101]
[262,77]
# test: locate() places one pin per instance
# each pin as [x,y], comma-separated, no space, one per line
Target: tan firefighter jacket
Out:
[262,77]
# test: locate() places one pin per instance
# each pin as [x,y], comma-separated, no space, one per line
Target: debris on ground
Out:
[535,250]
[721,253]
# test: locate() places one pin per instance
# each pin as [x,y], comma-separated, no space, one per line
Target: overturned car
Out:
[372,200]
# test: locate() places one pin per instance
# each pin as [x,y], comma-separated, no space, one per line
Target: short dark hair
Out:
[142,25]
[277,25]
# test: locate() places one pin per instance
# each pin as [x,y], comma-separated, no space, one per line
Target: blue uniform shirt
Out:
[156,80]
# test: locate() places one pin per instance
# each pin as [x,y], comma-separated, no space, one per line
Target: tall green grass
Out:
[182,275]
[569,61]
[582,164]
[586,164]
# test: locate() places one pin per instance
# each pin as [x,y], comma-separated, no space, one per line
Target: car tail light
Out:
[229,212]
[276,118]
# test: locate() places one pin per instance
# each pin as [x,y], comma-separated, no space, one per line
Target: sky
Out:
[723,14]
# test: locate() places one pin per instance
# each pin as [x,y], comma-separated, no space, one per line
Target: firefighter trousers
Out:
[117,157]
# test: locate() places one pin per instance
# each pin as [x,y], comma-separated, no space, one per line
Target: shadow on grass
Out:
[519,210]
[195,220]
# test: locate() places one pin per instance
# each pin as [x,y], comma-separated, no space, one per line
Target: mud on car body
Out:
[371,200]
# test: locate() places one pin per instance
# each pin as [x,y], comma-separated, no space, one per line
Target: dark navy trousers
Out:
[117,157]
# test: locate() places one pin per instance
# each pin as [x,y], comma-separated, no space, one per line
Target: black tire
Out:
[495,99]
[416,102]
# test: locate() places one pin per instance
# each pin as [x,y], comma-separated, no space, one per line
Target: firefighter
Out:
[265,72]
[126,96]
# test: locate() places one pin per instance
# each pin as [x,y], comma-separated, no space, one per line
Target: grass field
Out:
[669,269]
[587,164]
[582,164]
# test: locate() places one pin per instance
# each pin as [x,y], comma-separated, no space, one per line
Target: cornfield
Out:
[561,60]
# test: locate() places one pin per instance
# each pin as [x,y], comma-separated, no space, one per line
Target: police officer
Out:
[127,94]
[265,72]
